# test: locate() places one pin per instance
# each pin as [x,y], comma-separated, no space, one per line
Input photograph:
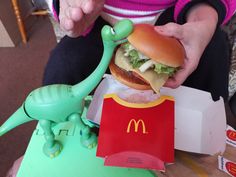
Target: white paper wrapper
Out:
[227,166]
[231,136]
[109,86]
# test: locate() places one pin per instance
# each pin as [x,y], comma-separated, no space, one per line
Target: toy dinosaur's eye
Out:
[113,31]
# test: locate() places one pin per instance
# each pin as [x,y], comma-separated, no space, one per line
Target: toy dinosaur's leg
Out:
[88,138]
[51,148]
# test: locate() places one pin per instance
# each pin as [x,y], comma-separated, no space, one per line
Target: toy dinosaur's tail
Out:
[18,118]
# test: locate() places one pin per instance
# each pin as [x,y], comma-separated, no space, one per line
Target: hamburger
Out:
[147,60]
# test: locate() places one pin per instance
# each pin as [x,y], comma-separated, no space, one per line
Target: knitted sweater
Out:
[147,11]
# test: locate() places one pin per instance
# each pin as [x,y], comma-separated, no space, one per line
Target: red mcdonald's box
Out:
[139,135]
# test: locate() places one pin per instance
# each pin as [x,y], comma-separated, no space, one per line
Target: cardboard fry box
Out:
[137,135]
[200,123]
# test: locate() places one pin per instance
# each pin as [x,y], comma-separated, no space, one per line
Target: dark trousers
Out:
[73,59]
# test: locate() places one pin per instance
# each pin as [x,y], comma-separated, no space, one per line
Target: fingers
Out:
[194,47]
[66,22]
[182,74]
[69,16]
[77,15]
[171,29]
[73,11]
[86,6]
[177,79]
[176,31]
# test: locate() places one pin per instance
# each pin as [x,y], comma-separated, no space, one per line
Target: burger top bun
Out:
[163,49]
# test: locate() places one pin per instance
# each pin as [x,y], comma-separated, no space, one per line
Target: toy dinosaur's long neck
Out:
[84,88]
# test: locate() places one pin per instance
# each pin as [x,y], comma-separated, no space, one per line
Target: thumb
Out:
[171,30]
[88,6]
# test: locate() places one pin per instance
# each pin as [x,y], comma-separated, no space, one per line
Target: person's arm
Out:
[76,17]
[195,34]
[224,8]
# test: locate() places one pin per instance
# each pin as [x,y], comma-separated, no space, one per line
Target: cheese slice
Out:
[155,80]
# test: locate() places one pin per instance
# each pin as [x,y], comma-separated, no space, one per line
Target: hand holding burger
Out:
[148,59]
[194,35]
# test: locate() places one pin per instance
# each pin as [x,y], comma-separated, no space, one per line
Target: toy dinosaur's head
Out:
[117,34]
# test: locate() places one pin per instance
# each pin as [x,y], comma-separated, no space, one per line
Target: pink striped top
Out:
[147,11]
[139,11]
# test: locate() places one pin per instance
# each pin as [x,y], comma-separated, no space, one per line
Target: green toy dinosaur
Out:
[59,103]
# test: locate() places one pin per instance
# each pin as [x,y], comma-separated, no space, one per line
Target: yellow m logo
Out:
[136,125]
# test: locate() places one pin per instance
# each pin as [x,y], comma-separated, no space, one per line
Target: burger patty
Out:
[129,75]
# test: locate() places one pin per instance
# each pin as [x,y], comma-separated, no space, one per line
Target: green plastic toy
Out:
[74,160]
[53,104]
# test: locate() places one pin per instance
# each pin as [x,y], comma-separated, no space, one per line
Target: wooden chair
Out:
[20,22]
